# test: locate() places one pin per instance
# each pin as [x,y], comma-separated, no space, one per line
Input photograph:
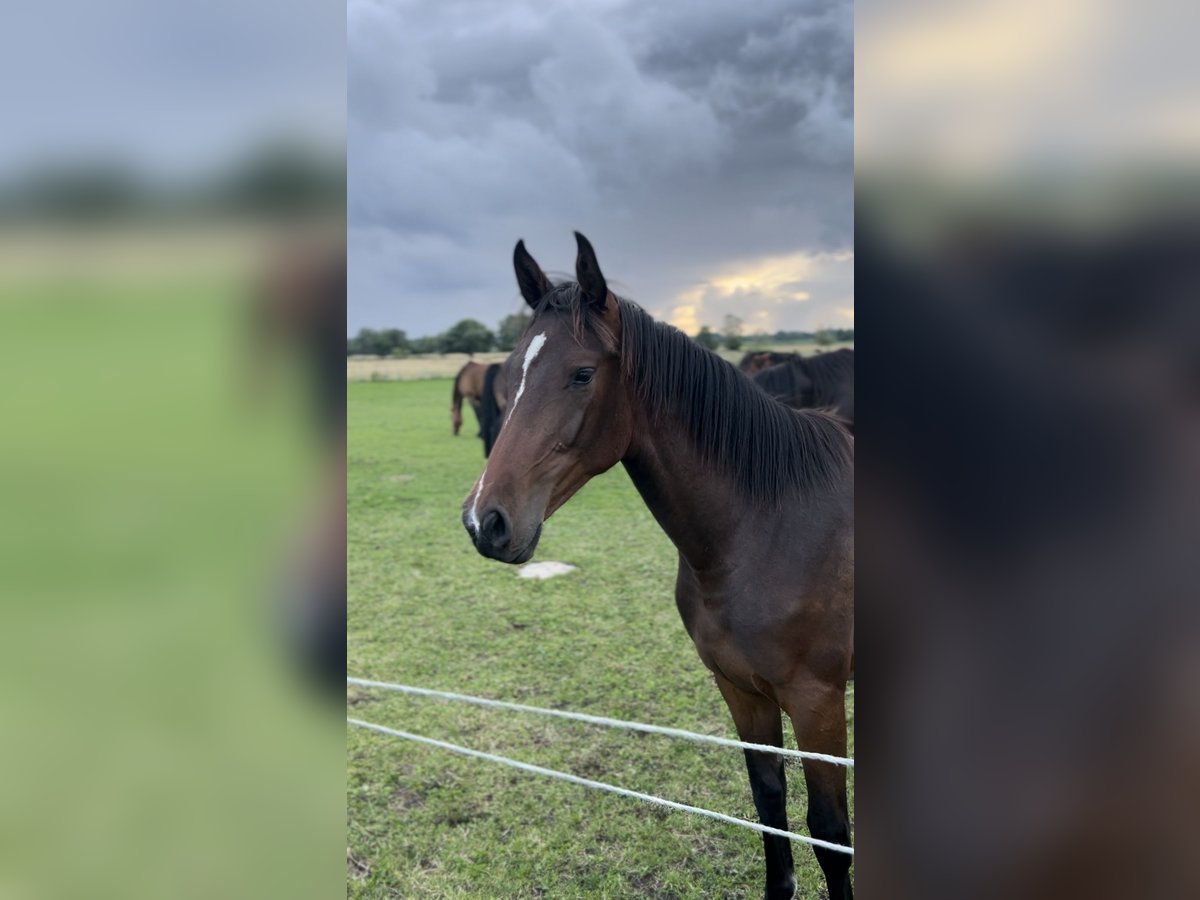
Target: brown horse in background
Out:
[756,497]
[468,383]
[757,360]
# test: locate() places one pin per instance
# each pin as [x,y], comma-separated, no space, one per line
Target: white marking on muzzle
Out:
[472,513]
[531,352]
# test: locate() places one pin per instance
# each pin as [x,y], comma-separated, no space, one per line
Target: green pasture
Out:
[425,609]
[158,740]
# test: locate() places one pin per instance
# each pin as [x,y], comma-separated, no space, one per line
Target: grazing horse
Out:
[467,383]
[757,360]
[756,497]
[824,381]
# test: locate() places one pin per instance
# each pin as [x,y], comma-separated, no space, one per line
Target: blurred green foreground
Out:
[157,469]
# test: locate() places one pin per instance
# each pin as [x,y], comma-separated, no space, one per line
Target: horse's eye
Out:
[583,376]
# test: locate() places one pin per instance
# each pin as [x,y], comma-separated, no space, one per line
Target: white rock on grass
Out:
[546,569]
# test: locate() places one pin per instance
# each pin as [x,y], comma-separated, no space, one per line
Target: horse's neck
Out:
[696,506]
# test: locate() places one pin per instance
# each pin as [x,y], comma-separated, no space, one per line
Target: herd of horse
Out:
[756,496]
[824,381]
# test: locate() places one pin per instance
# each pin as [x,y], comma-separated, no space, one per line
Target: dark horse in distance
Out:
[756,497]
[824,381]
[492,403]
[485,388]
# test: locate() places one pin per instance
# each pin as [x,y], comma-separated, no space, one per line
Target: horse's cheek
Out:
[572,427]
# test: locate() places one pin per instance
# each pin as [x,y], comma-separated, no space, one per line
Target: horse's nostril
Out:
[494,528]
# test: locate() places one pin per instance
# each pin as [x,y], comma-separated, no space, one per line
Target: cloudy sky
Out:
[705,148]
[168,89]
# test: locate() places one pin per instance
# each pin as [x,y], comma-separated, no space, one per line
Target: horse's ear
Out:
[588,274]
[532,280]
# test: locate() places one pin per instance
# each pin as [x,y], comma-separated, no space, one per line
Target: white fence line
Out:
[602,786]
[602,720]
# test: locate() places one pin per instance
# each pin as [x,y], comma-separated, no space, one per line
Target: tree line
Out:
[466,336]
[472,336]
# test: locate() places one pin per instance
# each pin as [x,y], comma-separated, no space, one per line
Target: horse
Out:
[493,401]
[757,360]
[823,381]
[756,497]
[468,383]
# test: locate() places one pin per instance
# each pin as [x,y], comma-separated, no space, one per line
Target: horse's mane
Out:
[771,450]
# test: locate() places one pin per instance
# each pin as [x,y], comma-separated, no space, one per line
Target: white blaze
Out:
[531,352]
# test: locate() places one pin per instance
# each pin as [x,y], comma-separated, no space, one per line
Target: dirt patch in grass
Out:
[405,798]
[356,868]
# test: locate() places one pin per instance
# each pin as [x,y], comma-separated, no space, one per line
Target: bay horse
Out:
[824,381]
[756,497]
[756,360]
[468,383]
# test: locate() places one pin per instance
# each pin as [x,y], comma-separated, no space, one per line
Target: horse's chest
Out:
[728,629]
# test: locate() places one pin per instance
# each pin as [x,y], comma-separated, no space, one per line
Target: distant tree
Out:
[86,193]
[732,332]
[283,176]
[368,342]
[396,341]
[431,344]
[792,336]
[468,336]
[824,337]
[708,338]
[510,331]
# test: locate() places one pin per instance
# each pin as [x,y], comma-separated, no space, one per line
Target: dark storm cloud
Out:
[689,142]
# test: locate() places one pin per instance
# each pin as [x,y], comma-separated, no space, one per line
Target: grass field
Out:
[425,609]
[164,744]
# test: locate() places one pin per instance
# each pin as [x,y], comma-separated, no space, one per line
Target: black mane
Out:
[771,450]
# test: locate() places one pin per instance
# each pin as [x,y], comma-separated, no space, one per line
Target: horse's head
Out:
[569,415]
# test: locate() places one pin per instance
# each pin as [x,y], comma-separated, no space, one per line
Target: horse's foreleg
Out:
[758,721]
[818,713]
[474,401]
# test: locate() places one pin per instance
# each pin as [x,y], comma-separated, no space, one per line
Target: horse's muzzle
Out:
[493,537]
